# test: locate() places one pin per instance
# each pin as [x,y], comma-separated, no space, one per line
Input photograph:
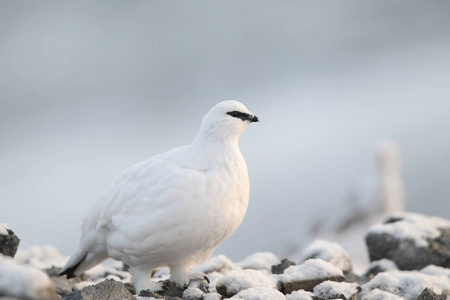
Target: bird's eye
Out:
[240,115]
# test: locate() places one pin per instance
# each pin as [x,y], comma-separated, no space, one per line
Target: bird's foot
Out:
[150,286]
[183,278]
[199,276]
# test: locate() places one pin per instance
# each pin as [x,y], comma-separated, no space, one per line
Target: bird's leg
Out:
[141,280]
[181,276]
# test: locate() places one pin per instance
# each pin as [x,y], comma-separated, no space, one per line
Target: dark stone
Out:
[406,254]
[428,294]
[107,289]
[9,243]
[307,285]
[147,293]
[223,290]
[279,269]
[173,292]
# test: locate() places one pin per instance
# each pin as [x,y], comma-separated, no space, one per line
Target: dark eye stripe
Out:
[240,115]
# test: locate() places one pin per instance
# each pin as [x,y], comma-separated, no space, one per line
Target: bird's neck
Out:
[211,142]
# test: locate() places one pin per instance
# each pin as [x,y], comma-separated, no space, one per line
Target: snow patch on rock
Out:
[259,261]
[412,226]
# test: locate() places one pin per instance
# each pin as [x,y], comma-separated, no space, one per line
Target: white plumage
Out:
[172,209]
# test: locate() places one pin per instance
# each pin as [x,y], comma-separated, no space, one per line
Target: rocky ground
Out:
[410,256]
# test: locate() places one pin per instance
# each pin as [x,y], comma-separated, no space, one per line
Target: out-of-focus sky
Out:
[88,88]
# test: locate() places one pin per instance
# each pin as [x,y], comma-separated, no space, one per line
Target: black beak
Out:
[254,119]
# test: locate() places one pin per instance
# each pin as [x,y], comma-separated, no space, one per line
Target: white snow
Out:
[212,296]
[378,294]
[192,292]
[310,269]
[300,295]
[4,229]
[238,280]
[109,268]
[413,226]
[436,271]
[218,263]
[213,278]
[23,281]
[41,257]
[330,289]
[407,284]
[259,260]
[259,293]
[384,264]
[330,252]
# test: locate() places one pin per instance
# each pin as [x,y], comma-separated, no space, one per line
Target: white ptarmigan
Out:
[172,209]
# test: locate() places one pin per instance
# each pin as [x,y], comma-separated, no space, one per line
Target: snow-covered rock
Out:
[309,274]
[300,295]
[239,280]
[211,296]
[381,265]
[407,284]
[436,271]
[8,241]
[106,289]
[283,265]
[41,257]
[23,281]
[218,263]
[337,290]
[108,268]
[259,293]
[411,240]
[259,261]
[330,252]
[377,294]
[196,290]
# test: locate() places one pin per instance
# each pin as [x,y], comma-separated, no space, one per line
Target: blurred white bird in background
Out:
[375,195]
[172,209]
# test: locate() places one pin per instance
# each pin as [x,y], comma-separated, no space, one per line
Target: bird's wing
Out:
[150,197]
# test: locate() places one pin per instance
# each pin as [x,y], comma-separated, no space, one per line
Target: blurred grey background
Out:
[88,88]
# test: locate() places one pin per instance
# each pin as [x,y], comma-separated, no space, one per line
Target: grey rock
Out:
[173,292]
[279,269]
[9,243]
[62,286]
[405,252]
[428,294]
[147,293]
[329,252]
[307,285]
[130,288]
[107,289]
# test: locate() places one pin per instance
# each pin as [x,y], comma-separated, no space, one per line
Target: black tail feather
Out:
[70,271]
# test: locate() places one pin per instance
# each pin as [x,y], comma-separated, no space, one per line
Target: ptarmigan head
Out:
[227,119]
